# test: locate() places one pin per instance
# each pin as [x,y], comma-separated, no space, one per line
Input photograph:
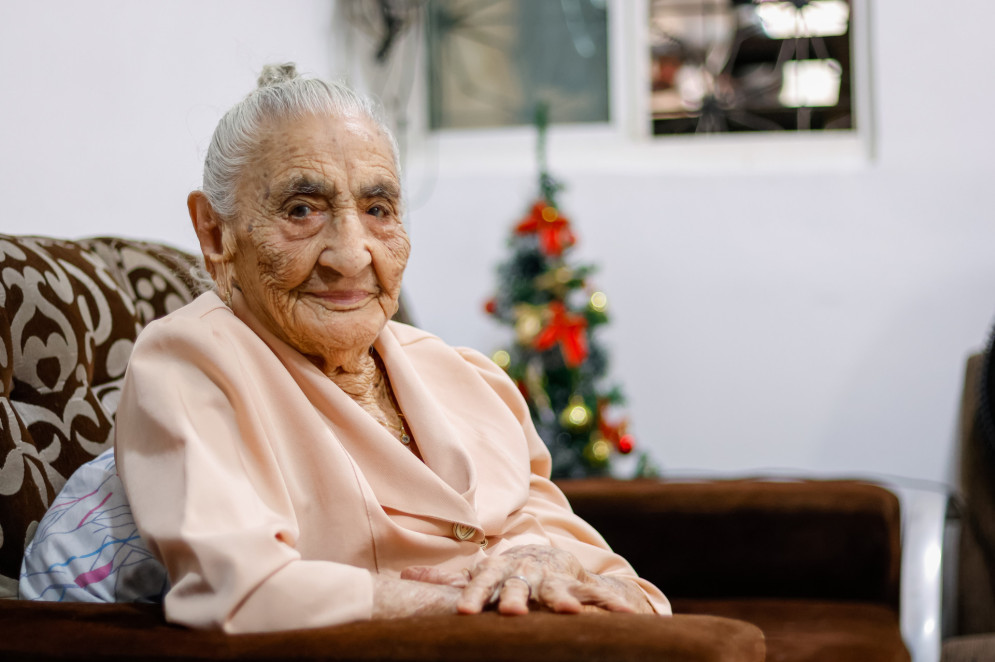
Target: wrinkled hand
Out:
[397,598]
[556,582]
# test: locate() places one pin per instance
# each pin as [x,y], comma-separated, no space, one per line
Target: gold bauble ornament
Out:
[576,416]
[598,302]
[528,323]
[598,452]
[502,358]
[555,281]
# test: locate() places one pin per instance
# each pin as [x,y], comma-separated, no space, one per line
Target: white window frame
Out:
[625,144]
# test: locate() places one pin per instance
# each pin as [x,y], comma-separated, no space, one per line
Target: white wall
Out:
[801,318]
[751,328]
[107,106]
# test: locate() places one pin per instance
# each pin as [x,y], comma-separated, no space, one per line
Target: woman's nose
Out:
[347,248]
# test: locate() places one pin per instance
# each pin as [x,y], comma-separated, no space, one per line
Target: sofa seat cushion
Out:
[813,630]
[67,631]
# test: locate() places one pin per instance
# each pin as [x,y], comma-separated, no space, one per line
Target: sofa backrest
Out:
[727,539]
[69,314]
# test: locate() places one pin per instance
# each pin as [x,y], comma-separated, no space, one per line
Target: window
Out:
[491,62]
[750,65]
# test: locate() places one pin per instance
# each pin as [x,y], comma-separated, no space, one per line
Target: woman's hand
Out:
[396,598]
[546,577]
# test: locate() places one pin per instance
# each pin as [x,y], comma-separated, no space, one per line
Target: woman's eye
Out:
[300,211]
[377,211]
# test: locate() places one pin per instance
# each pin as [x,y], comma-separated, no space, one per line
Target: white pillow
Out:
[87,548]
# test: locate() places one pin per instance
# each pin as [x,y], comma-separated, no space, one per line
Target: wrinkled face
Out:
[319,245]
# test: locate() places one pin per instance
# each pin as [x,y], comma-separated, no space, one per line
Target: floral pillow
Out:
[87,548]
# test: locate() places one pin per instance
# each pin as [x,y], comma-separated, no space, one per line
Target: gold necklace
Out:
[402,429]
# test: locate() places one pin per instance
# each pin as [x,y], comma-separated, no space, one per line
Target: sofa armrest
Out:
[924,557]
[838,540]
[77,631]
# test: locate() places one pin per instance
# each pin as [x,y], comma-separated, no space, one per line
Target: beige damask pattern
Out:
[69,315]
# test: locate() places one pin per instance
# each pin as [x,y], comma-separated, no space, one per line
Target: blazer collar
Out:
[441,487]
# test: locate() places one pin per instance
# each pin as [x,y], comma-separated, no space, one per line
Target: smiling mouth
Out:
[342,299]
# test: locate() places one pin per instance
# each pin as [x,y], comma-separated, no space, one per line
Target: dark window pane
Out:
[750,65]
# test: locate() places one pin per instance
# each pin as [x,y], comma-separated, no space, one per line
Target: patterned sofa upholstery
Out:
[69,314]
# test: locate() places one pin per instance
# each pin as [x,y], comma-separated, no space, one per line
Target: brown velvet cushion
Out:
[837,540]
[57,631]
[71,311]
[814,630]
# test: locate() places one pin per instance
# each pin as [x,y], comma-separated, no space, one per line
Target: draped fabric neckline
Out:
[445,477]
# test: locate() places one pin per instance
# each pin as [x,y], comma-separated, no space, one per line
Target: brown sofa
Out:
[804,570]
[974,629]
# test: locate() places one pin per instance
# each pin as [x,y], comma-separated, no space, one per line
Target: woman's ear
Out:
[207,225]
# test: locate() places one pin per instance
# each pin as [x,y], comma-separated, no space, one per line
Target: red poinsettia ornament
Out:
[554,230]
[569,329]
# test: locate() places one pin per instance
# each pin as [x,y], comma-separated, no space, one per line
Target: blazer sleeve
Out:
[207,494]
[547,510]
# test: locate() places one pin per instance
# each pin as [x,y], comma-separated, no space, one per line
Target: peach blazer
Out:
[271,496]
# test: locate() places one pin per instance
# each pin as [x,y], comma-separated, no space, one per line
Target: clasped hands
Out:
[545,578]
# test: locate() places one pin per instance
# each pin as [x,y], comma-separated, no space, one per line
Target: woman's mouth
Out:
[345,299]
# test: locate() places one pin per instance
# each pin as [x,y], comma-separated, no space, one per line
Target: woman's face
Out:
[319,243]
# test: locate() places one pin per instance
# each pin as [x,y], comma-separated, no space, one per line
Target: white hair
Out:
[281,94]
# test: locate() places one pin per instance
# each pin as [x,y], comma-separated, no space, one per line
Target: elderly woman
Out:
[296,459]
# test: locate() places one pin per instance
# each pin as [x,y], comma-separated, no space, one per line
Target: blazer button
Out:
[463,531]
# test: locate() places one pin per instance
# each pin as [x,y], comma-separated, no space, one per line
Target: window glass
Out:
[750,65]
[491,62]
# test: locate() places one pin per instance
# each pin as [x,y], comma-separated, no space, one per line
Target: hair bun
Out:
[274,74]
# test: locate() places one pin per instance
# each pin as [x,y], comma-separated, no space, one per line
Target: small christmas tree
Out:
[555,358]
